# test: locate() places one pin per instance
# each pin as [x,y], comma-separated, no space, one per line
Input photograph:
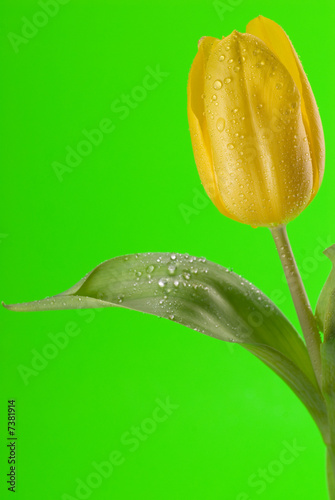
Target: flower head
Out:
[255,127]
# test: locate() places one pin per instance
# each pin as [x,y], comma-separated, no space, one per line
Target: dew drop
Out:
[220,124]
[279,86]
[217,84]
[172,269]
[227,80]
[236,69]
[150,269]
[230,146]
[173,256]
[231,61]
[222,58]
[162,282]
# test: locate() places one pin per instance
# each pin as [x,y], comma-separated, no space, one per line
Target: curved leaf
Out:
[205,297]
[322,307]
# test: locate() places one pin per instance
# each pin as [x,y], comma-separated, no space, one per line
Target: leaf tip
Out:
[9,307]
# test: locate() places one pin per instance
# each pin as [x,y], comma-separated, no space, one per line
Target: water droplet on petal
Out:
[227,80]
[222,58]
[220,124]
[217,84]
[230,146]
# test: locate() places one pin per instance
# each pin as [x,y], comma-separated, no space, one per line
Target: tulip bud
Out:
[255,127]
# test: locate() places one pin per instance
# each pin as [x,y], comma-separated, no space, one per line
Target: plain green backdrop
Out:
[138,190]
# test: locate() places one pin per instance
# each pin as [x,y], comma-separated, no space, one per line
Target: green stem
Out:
[300,299]
[331,471]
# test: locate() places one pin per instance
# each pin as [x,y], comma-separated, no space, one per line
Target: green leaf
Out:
[328,368]
[322,307]
[205,297]
[328,382]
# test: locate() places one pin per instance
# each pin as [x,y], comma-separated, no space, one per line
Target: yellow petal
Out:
[261,162]
[277,41]
[197,122]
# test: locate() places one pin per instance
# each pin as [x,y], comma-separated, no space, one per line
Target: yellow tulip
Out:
[255,127]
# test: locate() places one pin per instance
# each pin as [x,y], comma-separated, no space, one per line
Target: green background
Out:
[130,195]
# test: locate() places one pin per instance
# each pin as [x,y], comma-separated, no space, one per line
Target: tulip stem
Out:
[301,303]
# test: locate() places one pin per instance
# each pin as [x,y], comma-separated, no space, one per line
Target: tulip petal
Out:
[197,123]
[278,41]
[262,163]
